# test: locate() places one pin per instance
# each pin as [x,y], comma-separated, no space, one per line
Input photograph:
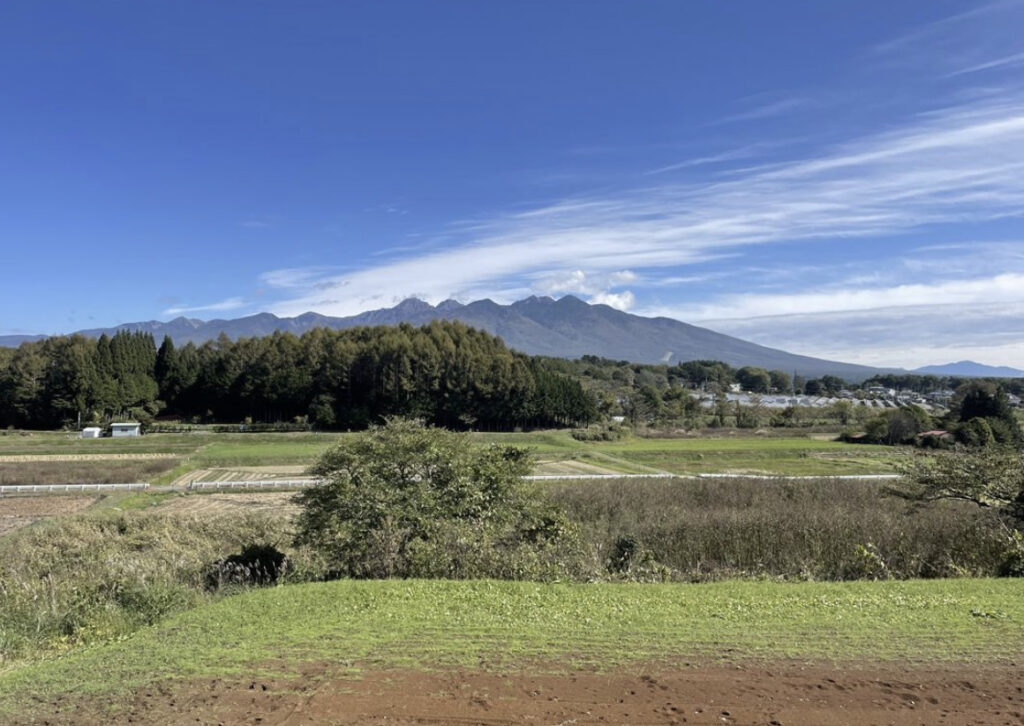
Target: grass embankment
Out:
[495,625]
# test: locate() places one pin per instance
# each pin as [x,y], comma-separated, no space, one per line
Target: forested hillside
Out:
[445,373]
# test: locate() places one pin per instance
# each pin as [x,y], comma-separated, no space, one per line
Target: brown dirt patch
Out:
[18,512]
[570,466]
[240,473]
[232,503]
[790,694]
[29,458]
[84,472]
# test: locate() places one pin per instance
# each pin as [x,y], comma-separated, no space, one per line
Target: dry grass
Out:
[28,458]
[222,503]
[817,529]
[67,471]
[18,512]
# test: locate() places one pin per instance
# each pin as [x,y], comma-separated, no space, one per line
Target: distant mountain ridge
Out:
[565,328]
[970,368]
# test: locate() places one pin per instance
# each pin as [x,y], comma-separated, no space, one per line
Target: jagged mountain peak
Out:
[568,327]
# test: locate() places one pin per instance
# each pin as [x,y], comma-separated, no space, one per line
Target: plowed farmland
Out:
[18,512]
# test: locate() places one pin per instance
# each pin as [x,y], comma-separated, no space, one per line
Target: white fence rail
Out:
[790,477]
[253,484]
[559,477]
[9,489]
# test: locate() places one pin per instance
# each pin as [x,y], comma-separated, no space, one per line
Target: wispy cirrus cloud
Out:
[231,303]
[905,335]
[955,165]
[742,152]
[985,37]
[1007,288]
[767,110]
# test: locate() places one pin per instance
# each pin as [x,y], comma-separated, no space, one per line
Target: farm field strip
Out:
[251,473]
[212,457]
[252,484]
[18,512]
[217,503]
[111,456]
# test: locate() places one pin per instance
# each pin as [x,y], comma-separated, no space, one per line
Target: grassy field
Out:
[748,454]
[494,625]
[556,451]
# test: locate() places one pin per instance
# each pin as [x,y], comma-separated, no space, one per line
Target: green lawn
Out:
[55,442]
[490,624]
[225,450]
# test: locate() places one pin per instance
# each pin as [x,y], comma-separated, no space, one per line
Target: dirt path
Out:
[790,695]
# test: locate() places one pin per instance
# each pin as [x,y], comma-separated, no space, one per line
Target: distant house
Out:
[880,391]
[941,397]
[128,428]
[91,432]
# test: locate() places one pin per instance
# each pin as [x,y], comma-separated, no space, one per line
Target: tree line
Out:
[445,373]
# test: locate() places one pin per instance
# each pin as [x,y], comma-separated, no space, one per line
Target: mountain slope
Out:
[566,328]
[969,368]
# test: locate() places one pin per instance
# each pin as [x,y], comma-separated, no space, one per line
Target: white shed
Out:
[128,428]
[91,432]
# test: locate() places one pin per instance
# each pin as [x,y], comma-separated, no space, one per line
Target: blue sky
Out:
[842,179]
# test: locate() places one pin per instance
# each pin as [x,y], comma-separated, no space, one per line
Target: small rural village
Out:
[511,363]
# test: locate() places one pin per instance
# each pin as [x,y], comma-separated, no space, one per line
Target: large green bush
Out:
[408,500]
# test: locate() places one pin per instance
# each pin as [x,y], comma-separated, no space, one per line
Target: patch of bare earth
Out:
[233,502]
[257,473]
[30,458]
[570,466]
[789,694]
[18,512]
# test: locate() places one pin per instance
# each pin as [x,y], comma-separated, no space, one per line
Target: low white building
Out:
[91,432]
[127,428]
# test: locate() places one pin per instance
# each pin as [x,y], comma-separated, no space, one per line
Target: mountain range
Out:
[970,369]
[567,328]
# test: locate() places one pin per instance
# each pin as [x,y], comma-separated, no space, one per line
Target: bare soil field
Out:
[232,503]
[31,458]
[240,473]
[89,471]
[18,512]
[571,466]
[787,693]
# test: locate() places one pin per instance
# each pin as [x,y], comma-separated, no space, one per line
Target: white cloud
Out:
[957,165]
[986,37]
[624,300]
[1005,288]
[743,152]
[231,303]
[1011,60]
[766,110]
[909,336]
